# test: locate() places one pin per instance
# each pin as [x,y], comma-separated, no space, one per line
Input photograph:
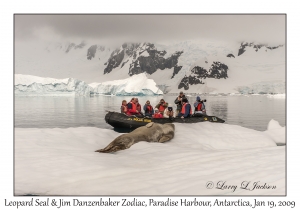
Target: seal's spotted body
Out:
[152,132]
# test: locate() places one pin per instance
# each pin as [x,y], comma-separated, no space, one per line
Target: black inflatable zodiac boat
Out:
[119,120]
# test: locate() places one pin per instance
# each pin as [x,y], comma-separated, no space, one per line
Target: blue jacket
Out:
[187,110]
[129,106]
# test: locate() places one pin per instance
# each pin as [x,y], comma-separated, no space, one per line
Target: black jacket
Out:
[178,103]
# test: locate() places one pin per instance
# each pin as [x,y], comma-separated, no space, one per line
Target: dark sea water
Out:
[254,111]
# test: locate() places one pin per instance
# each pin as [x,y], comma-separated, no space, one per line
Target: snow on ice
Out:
[63,162]
[275,132]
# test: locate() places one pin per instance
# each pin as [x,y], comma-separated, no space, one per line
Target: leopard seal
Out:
[152,132]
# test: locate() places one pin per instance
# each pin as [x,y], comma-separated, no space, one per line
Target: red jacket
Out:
[157,115]
[131,108]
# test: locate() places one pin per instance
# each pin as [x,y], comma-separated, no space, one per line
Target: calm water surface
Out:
[61,111]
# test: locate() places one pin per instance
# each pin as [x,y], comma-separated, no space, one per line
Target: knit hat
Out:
[156,109]
[198,98]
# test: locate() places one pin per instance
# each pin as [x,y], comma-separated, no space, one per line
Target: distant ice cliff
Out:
[135,85]
[33,85]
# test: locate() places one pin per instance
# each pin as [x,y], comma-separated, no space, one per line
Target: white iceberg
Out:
[63,162]
[276,132]
[33,85]
[137,85]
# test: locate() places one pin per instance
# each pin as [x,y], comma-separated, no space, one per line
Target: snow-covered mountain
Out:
[191,66]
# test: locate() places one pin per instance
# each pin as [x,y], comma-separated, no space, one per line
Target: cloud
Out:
[156,28]
[46,34]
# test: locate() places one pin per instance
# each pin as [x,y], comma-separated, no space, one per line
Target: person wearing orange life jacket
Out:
[138,106]
[148,109]
[157,114]
[131,107]
[199,106]
[124,107]
[161,106]
[186,110]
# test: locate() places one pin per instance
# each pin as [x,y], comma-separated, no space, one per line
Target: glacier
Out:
[137,85]
[265,87]
[34,85]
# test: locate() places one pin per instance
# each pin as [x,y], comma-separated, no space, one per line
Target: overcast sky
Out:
[152,28]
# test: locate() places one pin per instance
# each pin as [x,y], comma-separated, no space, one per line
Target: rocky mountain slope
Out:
[192,66]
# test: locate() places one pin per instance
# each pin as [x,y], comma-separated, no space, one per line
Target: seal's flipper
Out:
[165,138]
[149,124]
[113,147]
[120,143]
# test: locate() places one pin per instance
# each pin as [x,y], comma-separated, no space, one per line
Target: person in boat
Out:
[124,107]
[131,107]
[157,114]
[161,106]
[186,110]
[168,113]
[178,102]
[138,106]
[148,109]
[199,106]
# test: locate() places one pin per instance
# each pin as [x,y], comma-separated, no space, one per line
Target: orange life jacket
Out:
[161,108]
[199,107]
[149,108]
[183,109]
[133,110]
